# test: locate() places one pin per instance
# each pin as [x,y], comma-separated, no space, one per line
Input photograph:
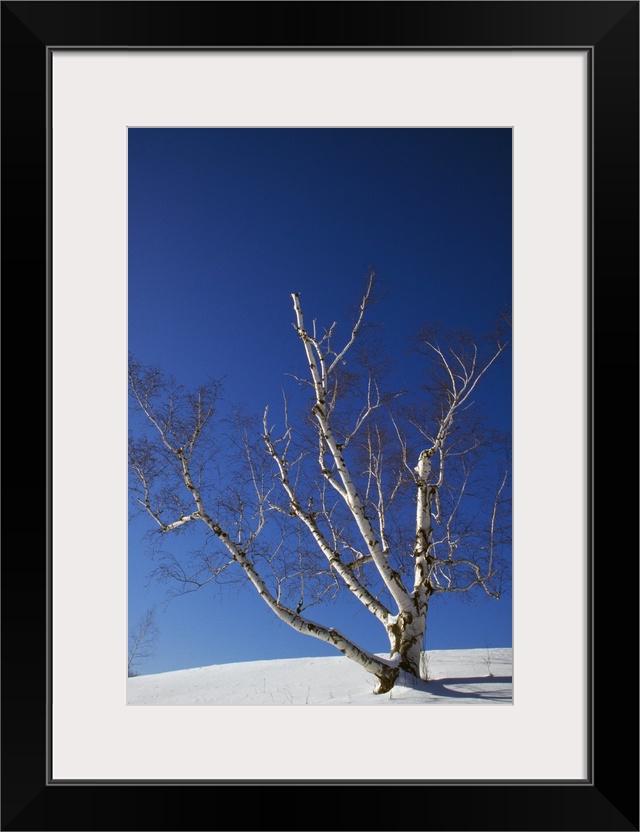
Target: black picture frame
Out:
[608,798]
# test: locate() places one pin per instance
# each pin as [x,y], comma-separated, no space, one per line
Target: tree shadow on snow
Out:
[441,687]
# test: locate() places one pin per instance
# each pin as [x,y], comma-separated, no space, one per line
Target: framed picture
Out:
[563,78]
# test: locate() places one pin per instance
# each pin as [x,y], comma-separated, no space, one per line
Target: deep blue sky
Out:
[224,224]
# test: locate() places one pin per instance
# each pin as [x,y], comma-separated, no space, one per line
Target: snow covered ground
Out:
[457,677]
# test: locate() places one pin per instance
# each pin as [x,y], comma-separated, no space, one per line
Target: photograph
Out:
[329,294]
[319,334]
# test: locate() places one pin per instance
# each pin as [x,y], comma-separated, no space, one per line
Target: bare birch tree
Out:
[363,492]
[142,641]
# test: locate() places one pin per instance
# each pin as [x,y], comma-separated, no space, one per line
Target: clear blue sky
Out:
[224,224]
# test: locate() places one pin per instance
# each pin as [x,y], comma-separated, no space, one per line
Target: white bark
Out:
[319,374]
[332,556]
